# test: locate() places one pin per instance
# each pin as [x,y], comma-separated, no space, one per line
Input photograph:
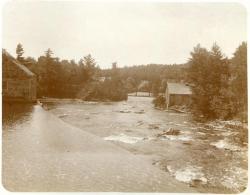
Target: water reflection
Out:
[16,113]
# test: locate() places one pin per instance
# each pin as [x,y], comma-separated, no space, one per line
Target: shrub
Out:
[103,91]
[160,102]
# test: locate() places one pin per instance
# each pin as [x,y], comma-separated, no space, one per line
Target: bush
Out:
[160,102]
[103,91]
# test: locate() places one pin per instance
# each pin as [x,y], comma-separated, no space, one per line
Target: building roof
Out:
[179,88]
[18,64]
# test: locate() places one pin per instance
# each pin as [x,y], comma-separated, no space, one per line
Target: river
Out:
[117,146]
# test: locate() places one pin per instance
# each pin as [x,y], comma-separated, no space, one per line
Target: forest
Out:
[84,79]
[219,84]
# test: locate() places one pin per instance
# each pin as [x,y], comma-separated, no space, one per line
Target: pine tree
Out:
[48,53]
[220,96]
[19,52]
[209,73]
[197,73]
[88,68]
[51,75]
[239,79]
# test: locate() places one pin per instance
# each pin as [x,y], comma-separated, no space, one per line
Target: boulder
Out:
[170,131]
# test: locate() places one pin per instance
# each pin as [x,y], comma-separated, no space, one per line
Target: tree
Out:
[48,53]
[88,68]
[239,78]
[155,87]
[130,84]
[50,74]
[221,96]
[197,74]
[19,52]
[209,74]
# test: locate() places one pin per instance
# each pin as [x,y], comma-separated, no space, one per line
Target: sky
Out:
[129,33]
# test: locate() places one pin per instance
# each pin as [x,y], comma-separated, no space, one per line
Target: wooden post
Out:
[167,99]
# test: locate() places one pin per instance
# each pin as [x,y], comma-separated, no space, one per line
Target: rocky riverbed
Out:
[181,154]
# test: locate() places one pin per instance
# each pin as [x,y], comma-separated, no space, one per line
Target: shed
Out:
[18,82]
[178,94]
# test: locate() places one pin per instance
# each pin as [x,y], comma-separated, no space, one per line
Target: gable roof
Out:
[179,88]
[18,64]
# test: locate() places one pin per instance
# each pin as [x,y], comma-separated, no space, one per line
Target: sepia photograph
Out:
[124,96]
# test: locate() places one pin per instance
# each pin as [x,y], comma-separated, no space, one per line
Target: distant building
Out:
[18,82]
[178,94]
[102,79]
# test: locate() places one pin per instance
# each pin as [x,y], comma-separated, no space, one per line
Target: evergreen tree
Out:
[51,76]
[48,53]
[198,70]
[220,94]
[209,74]
[88,68]
[239,79]
[19,52]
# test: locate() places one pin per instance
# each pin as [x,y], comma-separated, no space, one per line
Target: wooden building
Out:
[178,94]
[18,82]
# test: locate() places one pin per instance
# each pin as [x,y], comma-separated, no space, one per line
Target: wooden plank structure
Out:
[18,82]
[178,94]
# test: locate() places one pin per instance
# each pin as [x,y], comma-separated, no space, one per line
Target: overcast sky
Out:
[129,33]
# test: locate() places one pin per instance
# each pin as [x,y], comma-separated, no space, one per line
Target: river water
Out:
[89,146]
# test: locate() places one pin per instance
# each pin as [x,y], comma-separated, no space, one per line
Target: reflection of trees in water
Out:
[15,112]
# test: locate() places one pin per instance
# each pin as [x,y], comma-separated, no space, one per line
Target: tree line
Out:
[219,84]
[69,79]
[150,78]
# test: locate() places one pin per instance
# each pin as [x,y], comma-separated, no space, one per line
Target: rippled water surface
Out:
[198,158]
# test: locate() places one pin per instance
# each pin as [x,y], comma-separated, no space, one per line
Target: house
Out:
[102,79]
[178,94]
[18,82]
